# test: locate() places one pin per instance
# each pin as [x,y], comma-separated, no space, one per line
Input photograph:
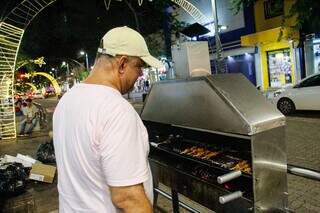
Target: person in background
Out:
[31,118]
[18,108]
[147,85]
[101,145]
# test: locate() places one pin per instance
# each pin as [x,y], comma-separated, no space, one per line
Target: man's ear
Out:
[123,63]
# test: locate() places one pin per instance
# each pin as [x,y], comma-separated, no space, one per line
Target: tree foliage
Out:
[153,28]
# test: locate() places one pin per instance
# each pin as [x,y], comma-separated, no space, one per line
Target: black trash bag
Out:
[45,153]
[12,179]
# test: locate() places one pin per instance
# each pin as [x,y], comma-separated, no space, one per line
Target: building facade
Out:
[278,58]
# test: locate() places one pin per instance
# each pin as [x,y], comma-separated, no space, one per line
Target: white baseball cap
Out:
[126,41]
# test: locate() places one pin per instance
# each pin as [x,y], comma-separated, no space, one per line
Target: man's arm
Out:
[131,199]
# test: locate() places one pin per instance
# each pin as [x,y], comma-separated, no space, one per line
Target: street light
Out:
[67,65]
[87,62]
[55,72]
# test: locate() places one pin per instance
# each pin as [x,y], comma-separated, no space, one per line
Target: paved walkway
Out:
[303,149]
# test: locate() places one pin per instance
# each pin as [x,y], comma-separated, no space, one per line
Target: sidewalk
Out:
[42,197]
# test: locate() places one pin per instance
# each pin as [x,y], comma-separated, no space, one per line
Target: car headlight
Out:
[276,94]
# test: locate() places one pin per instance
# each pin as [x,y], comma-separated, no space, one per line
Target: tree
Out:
[306,13]
[154,21]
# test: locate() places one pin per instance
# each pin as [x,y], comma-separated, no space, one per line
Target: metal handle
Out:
[227,177]
[302,172]
[230,197]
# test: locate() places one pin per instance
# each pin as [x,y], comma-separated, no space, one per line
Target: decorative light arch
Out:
[192,10]
[51,79]
[46,75]
[33,87]
[12,28]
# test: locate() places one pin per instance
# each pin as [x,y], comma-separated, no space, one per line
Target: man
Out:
[31,119]
[101,144]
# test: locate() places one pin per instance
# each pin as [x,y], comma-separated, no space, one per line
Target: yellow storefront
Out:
[275,41]
[277,58]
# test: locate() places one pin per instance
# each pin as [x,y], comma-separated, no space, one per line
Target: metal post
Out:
[68,71]
[219,53]
[87,62]
[168,196]
[175,201]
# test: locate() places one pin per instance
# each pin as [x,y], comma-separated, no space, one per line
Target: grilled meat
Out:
[210,155]
[243,166]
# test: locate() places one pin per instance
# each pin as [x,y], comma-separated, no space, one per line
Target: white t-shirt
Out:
[99,141]
[29,112]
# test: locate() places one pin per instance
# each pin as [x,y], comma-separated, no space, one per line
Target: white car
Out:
[303,96]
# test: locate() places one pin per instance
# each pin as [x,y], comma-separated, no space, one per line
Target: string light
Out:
[192,10]
[12,28]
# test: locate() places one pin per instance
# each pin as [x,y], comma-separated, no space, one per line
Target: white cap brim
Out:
[152,61]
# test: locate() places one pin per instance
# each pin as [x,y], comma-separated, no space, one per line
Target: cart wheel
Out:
[286,106]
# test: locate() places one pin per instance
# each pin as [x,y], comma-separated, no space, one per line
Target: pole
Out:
[68,71]
[219,53]
[87,62]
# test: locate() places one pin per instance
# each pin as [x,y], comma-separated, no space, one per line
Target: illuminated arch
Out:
[33,87]
[193,11]
[12,28]
[51,79]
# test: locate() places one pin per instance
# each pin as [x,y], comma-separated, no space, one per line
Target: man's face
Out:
[132,69]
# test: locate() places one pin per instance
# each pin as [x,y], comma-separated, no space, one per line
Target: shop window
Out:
[279,68]
[316,52]
[273,8]
[312,55]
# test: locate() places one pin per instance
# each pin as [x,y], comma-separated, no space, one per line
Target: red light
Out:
[21,76]
[227,186]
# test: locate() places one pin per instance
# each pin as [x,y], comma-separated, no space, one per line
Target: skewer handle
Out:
[230,197]
[227,177]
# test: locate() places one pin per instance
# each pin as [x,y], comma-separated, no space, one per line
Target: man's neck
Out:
[101,80]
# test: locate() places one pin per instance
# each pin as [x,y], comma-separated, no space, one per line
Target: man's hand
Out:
[131,199]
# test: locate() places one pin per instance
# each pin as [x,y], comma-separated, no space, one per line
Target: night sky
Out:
[67,26]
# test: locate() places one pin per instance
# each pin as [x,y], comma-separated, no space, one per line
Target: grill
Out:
[217,141]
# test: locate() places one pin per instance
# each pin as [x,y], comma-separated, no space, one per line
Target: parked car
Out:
[303,96]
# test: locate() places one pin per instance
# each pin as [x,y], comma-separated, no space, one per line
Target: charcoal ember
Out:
[12,179]
[203,173]
[45,153]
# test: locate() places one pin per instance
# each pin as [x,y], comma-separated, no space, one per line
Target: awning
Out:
[269,36]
